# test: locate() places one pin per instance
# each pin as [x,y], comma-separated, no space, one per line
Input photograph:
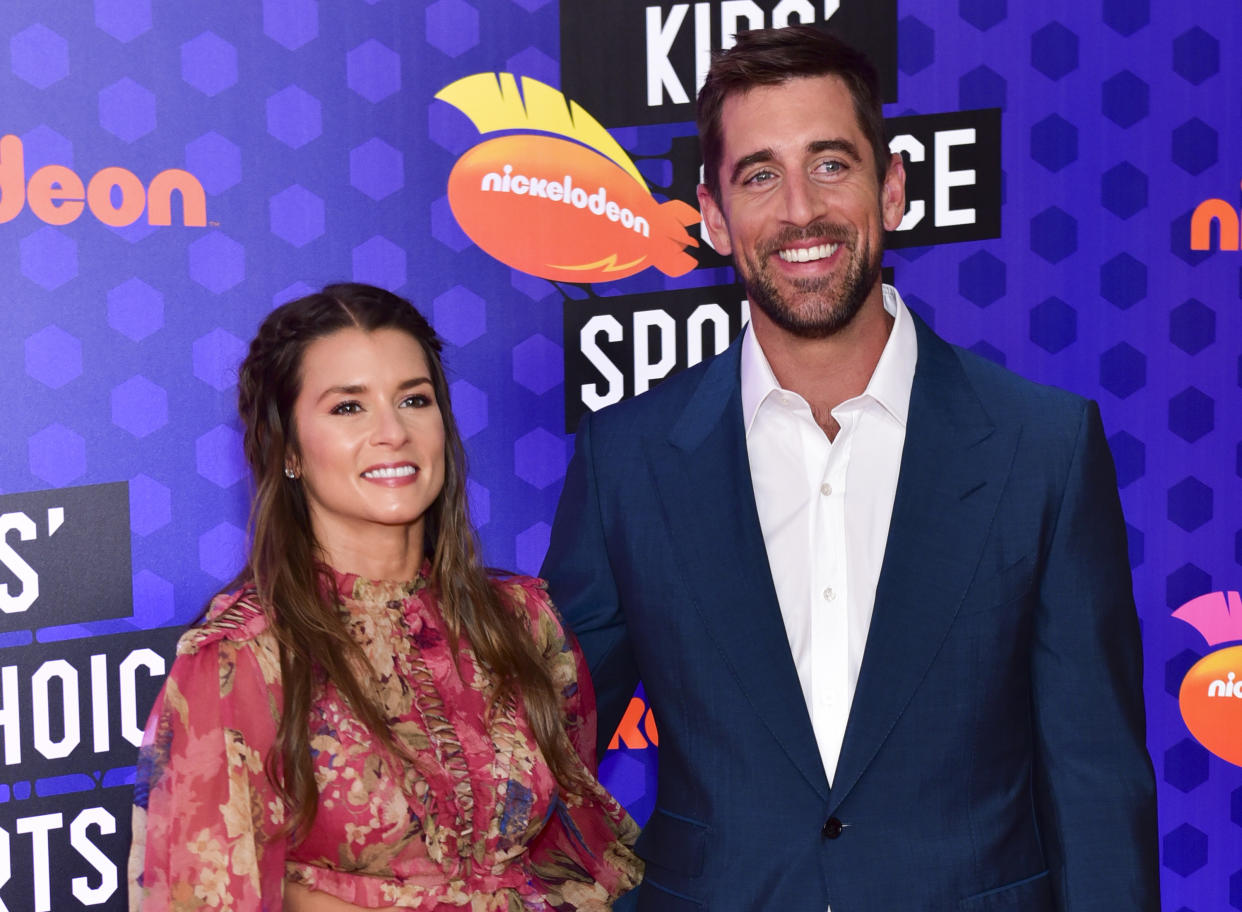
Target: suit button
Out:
[832,828]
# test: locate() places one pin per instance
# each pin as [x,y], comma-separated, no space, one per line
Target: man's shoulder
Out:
[1008,396]
[999,381]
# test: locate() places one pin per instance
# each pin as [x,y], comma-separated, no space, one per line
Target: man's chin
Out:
[814,323]
[808,313]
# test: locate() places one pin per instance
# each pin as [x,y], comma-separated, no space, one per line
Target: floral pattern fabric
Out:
[469,817]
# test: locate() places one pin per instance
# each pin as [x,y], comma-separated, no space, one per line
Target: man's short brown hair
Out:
[767,57]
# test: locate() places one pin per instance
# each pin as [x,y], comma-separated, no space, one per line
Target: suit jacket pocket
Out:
[1031,894]
[1009,584]
[673,842]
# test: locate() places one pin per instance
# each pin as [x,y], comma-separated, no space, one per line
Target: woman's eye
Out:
[418,400]
[346,408]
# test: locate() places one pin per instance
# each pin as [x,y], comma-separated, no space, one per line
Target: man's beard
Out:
[828,303]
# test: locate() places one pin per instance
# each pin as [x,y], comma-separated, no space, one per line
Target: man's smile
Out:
[807,254]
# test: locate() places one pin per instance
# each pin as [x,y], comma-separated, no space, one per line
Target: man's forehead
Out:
[768,113]
[823,83]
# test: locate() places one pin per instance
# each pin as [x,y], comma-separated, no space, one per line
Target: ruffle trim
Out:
[231,616]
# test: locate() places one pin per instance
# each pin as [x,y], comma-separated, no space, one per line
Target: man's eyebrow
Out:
[754,158]
[835,145]
[843,146]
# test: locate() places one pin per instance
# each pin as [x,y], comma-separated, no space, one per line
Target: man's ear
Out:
[893,193]
[714,221]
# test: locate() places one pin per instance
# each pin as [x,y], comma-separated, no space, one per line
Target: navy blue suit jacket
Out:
[994,756]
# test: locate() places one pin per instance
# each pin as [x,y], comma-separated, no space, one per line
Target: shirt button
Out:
[825,489]
[829,595]
[832,828]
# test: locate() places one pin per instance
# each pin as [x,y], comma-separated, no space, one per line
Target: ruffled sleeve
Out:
[583,857]
[206,819]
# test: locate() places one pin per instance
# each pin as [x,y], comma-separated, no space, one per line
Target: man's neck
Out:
[826,372]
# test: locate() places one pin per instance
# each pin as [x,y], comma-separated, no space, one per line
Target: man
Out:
[876,587]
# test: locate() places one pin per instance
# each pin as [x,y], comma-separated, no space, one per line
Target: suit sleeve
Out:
[1095,786]
[581,582]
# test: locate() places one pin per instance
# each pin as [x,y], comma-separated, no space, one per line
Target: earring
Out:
[289,473]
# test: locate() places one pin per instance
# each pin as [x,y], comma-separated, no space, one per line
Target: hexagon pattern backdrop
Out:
[323,156]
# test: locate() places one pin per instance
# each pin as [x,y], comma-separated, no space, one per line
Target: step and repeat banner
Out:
[524,171]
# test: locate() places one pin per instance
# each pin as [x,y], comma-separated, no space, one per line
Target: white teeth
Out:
[808,254]
[397,472]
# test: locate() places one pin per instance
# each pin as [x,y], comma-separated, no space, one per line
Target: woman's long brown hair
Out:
[286,565]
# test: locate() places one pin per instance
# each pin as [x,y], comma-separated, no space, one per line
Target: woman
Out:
[367,720]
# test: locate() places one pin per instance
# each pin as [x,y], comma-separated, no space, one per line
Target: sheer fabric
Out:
[471,817]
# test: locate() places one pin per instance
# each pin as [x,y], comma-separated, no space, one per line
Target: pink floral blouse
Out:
[472,818]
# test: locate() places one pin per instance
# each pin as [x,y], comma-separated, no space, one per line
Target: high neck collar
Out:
[351,587]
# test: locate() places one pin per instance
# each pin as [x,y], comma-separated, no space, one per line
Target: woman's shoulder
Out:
[512,582]
[232,616]
[528,597]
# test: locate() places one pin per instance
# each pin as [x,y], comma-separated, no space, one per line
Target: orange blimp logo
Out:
[1210,697]
[560,198]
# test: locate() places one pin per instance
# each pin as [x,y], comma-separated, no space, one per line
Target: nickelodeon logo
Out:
[1227,225]
[564,192]
[561,199]
[115,196]
[1210,697]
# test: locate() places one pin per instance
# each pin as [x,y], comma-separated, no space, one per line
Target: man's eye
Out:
[832,166]
[760,177]
[349,407]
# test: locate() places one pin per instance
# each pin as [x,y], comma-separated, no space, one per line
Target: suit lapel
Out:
[703,475]
[952,468]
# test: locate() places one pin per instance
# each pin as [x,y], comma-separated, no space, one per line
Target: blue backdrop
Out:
[322,154]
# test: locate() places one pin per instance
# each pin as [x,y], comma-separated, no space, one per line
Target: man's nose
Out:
[802,203]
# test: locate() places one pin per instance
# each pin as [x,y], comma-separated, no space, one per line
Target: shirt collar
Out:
[890,383]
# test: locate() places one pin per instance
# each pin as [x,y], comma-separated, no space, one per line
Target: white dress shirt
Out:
[824,508]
